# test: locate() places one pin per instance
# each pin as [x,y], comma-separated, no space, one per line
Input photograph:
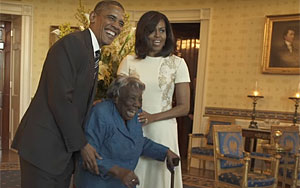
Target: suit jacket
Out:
[117,143]
[52,127]
[282,57]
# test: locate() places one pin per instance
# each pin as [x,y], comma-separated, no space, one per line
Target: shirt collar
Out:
[94,42]
[288,43]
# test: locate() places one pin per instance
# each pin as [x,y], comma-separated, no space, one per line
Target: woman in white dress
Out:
[163,74]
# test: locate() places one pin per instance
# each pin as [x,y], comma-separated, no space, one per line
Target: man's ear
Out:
[93,17]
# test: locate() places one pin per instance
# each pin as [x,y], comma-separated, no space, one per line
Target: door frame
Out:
[26,11]
[6,86]
[201,16]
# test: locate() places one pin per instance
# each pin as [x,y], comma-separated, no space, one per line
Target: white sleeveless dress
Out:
[160,75]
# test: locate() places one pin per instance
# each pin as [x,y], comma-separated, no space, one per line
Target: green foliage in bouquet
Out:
[64,29]
[83,17]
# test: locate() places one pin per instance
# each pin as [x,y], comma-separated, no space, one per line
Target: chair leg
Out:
[295,172]
[188,163]
[189,154]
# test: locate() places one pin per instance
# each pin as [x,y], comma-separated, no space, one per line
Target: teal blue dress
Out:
[117,143]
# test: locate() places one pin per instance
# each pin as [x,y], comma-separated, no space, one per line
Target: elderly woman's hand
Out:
[145,118]
[172,160]
[128,177]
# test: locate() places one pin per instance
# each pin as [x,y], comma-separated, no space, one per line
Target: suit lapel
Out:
[91,68]
[89,46]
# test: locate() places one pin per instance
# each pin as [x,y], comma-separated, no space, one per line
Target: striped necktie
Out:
[96,59]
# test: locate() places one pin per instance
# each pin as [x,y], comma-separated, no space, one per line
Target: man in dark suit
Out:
[51,131]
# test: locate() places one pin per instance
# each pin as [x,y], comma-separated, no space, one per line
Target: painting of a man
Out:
[285,51]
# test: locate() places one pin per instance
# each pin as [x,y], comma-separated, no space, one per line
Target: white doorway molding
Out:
[201,16]
[26,12]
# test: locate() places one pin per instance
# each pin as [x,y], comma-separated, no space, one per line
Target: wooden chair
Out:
[205,152]
[289,162]
[232,163]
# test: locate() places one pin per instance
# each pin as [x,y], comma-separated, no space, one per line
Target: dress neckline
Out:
[150,57]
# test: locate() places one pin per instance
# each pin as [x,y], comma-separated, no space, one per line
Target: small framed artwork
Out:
[55,32]
[53,36]
[1,38]
[281,47]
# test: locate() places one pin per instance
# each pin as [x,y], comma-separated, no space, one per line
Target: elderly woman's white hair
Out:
[123,81]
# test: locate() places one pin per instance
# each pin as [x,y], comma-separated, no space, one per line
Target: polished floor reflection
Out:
[8,156]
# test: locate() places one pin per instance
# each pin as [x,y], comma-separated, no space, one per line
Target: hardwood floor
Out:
[9,160]
[197,178]
[209,174]
[7,156]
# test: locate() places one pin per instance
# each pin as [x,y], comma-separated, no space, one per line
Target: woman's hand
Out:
[128,177]
[182,91]
[145,118]
[172,160]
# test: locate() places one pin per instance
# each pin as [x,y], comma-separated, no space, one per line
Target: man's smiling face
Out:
[107,23]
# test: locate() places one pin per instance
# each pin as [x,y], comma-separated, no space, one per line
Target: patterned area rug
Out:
[10,179]
[190,181]
[10,175]
[10,166]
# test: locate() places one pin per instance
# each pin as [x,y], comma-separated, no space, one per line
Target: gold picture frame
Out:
[281,47]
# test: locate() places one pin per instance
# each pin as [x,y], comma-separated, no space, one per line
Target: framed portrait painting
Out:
[281,47]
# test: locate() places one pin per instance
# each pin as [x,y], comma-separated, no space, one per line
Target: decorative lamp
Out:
[255,97]
[296,99]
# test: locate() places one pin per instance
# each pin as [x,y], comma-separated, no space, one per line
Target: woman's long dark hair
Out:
[146,25]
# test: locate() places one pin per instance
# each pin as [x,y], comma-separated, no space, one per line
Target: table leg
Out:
[253,150]
[247,144]
[284,169]
[250,146]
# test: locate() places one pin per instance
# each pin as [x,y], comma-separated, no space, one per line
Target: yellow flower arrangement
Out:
[63,30]
[83,16]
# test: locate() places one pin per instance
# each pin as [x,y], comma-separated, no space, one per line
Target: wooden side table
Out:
[283,152]
[251,135]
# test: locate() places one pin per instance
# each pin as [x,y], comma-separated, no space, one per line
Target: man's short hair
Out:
[106,3]
[290,28]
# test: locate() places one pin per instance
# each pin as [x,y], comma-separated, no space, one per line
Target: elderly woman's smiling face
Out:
[129,101]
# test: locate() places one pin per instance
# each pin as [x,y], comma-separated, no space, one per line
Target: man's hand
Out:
[96,102]
[89,155]
[128,177]
[172,160]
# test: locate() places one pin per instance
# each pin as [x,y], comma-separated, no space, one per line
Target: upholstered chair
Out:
[232,164]
[289,163]
[201,145]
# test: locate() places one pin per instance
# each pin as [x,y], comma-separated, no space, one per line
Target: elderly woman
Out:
[116,133]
